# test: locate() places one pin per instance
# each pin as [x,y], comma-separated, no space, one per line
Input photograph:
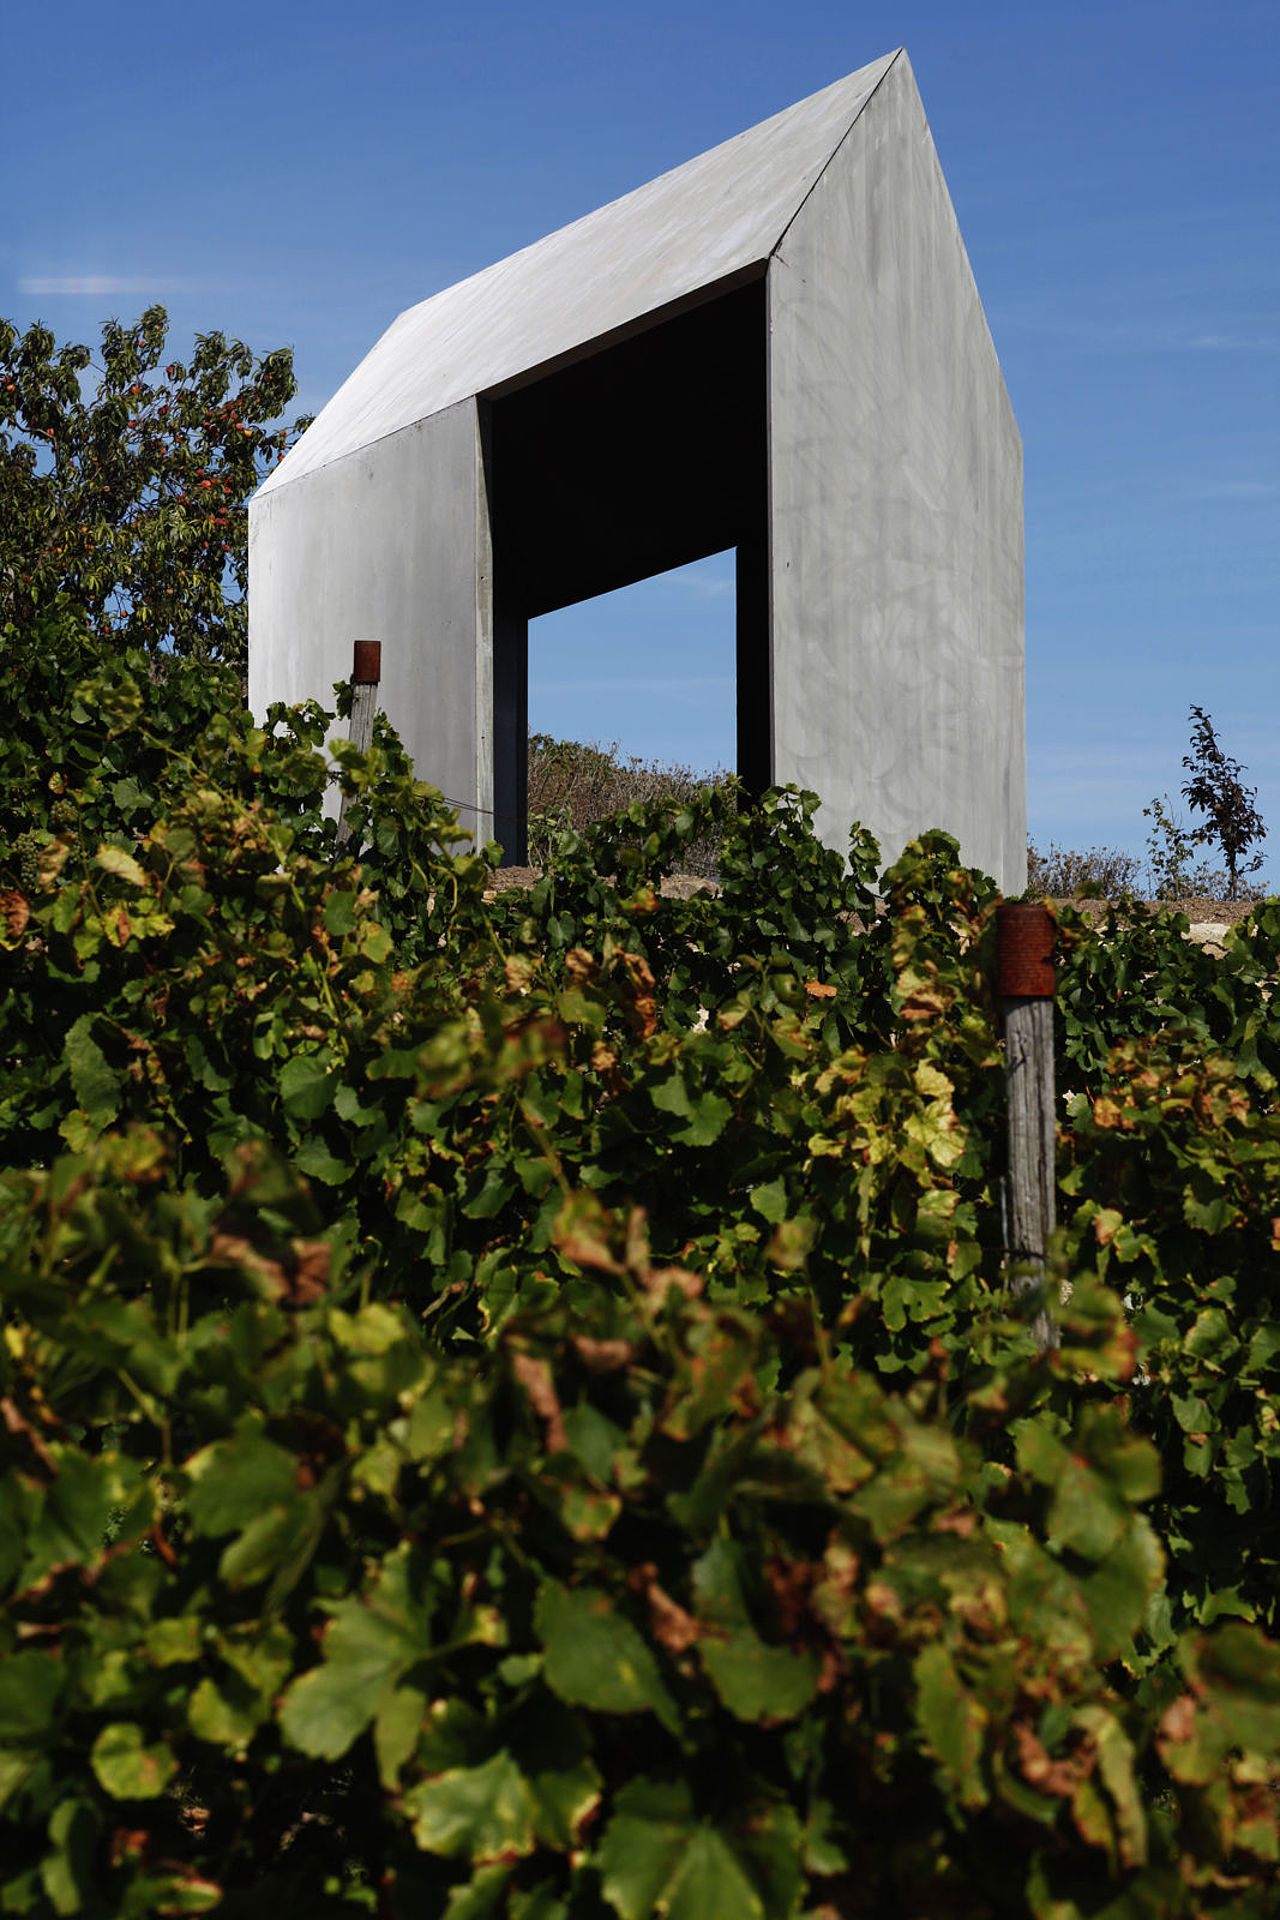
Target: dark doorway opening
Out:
[646,455]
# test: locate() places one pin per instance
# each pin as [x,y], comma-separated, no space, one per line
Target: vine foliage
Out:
[511,1406]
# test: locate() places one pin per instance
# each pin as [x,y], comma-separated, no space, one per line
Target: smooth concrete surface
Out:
[535,435]
[391,544]
[896,509]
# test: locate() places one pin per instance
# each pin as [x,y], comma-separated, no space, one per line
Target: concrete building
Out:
[778,348]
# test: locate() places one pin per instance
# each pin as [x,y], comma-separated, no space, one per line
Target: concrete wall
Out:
[889,572]
[896,509]
[390,543]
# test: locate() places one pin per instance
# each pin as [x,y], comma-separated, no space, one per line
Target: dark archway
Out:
[648,454]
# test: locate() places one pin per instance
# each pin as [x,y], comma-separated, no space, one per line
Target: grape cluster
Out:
[29,847]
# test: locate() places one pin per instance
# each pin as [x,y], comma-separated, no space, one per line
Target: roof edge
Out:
[332,426]
[886,60]
[890,62]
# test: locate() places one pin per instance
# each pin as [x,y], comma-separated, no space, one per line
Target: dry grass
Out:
[1066,873]
[572,785]
[1105,873]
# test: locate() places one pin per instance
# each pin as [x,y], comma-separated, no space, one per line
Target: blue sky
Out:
[300,173]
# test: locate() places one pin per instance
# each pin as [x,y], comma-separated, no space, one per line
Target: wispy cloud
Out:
[659,684]
[98,284]
[692,582]
[708,586]
[1238,490]
[1232,343]
[1134,336]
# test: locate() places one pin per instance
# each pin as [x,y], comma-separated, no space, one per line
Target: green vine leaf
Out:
[595,1658]
[127,1766]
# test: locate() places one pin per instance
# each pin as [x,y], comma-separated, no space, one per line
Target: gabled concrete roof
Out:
[718,215]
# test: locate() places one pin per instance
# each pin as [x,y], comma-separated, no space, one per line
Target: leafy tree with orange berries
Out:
[124,481]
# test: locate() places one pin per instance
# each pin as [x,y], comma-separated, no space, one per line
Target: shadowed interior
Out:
[640,457]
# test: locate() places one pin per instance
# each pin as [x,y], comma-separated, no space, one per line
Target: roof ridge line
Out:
[891,61]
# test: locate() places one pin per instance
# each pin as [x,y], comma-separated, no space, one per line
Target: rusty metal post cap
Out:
[1024,951]
[367,668]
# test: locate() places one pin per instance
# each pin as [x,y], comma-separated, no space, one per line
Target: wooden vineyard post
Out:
[366,672]
[1025,984]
